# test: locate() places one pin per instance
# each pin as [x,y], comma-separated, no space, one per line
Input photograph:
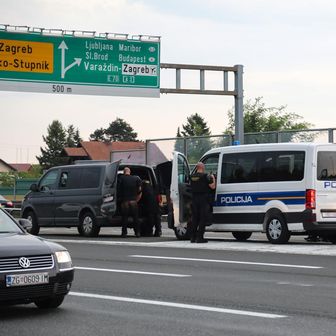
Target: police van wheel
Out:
[182,232]
[276,230]
[241,236]
[88,225]
[35,229]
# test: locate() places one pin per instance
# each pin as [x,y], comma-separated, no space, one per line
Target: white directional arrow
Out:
[64,69]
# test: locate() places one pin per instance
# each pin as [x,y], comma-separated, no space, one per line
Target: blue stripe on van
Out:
[260,198]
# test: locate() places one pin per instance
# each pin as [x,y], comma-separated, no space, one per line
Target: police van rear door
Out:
[180,191]
[326,184]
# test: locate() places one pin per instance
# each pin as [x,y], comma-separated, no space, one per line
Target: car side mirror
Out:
[34,187]
[25,223]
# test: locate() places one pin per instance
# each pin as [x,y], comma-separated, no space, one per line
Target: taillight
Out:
[310,199]
[9,204]
[159,198]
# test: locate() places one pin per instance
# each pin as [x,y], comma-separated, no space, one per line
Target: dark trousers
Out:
[200,212]
[130,209]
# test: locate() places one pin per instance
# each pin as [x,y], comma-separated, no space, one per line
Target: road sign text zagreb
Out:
[77,65]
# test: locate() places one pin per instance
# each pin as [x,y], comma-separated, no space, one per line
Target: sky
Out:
[287,48]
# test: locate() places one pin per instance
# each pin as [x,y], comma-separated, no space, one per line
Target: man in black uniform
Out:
[151,210]
[201,186]
[130,193]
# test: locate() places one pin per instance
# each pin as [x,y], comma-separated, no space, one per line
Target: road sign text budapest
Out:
[67,64]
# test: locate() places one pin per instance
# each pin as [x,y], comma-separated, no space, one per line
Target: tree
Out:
[195,126]
[179,143]
[98,135]
[260,118]
[118,130]
[56,140]
[73,138]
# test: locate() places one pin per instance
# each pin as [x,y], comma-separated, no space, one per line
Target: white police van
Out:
[280,189]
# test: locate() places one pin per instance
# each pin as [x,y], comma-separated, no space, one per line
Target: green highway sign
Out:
[69,64]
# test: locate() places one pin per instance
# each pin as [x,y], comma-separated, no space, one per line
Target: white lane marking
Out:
[178,305]
[299,249]
[294,284]
[132,272]
[225,261]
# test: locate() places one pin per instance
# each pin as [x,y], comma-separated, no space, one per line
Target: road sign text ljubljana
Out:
[39,62]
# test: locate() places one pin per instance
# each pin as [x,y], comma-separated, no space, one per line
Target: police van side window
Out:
[326,166]
[282,166]
[90,177]
[239,168]
[211,164]
[183,170]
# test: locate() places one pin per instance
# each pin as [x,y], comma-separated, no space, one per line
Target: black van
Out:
[84,195]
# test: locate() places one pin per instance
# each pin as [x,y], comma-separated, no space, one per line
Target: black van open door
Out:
[109,205]
[174,178]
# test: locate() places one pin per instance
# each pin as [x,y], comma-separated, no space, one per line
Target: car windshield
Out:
[7,224]
[2,198]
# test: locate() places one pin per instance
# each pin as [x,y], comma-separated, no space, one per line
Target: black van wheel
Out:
[241,236]
[88,225]
[35,229]
[182,232]
[277,230]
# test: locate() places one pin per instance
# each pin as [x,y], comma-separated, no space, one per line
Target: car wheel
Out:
[276,230]
[35,229]
[88,225]
[241,236]
[182,231]
[50,303]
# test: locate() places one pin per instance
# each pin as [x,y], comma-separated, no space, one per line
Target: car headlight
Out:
[63,258]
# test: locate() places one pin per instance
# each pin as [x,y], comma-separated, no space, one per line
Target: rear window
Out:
[326,166]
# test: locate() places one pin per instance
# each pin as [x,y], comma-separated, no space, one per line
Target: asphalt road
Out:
[153,286]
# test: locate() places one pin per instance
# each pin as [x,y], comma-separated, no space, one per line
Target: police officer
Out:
[150,209]
[130,193]
[201,186]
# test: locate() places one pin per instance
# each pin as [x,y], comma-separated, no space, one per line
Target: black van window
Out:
[90,177]
[239,168]
[282,166]
[326,166]
[70,179]
[48,181]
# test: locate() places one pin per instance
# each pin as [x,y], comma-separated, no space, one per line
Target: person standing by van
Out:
[201,186]
[130,192]
[151,210]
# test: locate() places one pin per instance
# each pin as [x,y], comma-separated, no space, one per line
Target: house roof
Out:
[21,167]
[10,167]
[97,150]
[128,151]
[75,151]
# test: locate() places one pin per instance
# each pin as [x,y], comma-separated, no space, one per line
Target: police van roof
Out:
[269,146]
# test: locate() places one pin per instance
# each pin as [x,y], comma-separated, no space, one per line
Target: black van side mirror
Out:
[34,187]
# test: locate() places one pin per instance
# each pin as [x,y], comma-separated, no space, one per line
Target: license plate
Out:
[27,279]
